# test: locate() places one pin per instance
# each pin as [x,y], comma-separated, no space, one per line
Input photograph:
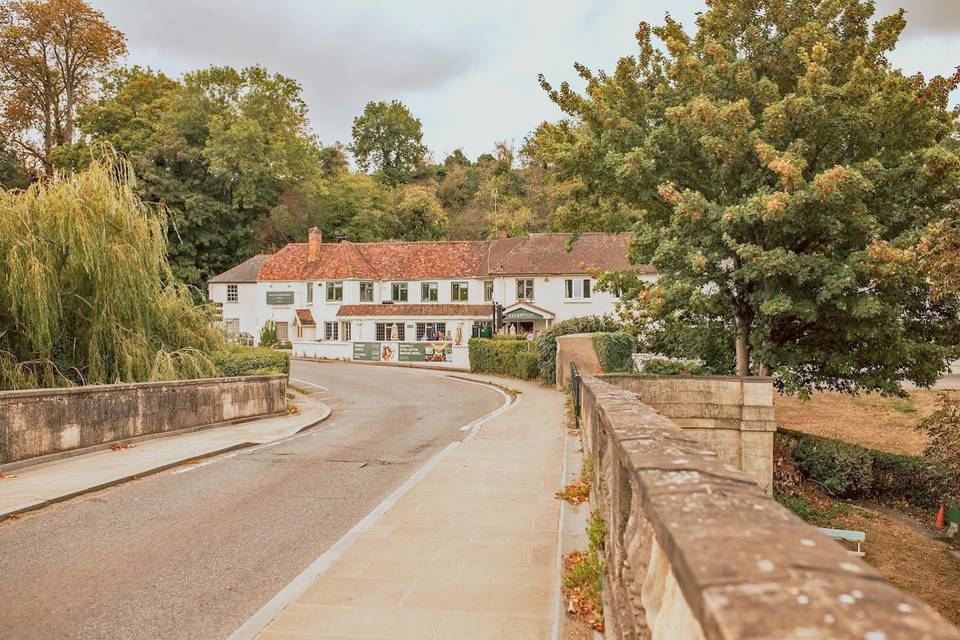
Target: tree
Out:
[387,138]
[13,175]
[420,215]
[89,296]
[218,148]
[52,53]
[783,172]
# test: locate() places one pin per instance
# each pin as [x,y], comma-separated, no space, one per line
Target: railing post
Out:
[575,390]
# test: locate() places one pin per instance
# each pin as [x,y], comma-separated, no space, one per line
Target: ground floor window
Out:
[345,331]
[283,332]
[331,331]
[431,330]
[231,326]
[383,330]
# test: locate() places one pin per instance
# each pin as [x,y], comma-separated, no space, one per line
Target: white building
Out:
[417,301]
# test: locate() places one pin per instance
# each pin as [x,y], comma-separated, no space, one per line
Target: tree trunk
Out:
[743,344]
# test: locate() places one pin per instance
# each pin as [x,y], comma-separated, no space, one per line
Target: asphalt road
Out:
[192,555]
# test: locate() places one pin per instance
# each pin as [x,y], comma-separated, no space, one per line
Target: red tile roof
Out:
[536,254]
[415,310]
[305,318]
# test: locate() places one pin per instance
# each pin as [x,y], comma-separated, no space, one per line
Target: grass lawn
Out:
[873,421]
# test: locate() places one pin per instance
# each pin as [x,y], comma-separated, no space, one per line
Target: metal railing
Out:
[575,390]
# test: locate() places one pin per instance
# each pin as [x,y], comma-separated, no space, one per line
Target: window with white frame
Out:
[232,293]
[525,289]
[383,330]
[398,291]
[366,292]
[345,331]
[576,289]
[431,330]
[309,293]
[428,292]
[488,290]
[459,292]
[283,331]
[331,330]
[334,292]
[231,326]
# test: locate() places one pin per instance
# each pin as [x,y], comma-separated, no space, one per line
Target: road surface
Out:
[193,554]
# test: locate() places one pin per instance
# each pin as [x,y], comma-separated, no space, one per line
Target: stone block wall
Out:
[731,416]
[44,421]
[578,348]
[695,550]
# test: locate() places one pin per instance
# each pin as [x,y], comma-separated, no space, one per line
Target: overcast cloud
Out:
[468,70]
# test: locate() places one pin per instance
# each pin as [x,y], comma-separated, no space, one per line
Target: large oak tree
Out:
[784,173]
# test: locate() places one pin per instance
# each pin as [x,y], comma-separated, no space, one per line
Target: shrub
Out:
[547,344]
[848,470]
[615,351]
[268,335]
[528,364]
[943,452]
[670,367]
[250,361]
[515,358]
[842,469]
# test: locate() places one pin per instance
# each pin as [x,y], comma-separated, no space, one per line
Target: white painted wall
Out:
[253,311]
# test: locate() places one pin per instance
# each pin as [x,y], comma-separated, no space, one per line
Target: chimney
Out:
[314,240]
[501,232]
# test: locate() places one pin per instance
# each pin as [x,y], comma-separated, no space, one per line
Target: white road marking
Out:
[474,426]
[309,383]
[265,615]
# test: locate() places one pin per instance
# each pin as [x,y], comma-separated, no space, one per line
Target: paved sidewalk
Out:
[32,487]
[470,551]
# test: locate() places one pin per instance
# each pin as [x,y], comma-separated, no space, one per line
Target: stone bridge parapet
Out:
[695,550]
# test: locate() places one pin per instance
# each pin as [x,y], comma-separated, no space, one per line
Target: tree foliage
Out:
[218,148]
[388,139]
[783,172]
[52,53]
[88,295]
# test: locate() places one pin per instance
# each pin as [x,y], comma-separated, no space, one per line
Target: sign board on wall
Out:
[367,351]
[425,351]
[522,314]
[279,297]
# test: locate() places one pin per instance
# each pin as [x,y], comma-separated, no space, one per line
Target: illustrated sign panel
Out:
[425,351]
[369,351]
[279,297]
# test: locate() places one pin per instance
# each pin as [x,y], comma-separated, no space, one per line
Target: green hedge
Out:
[517,358]
[250,361]
[851,471]
[615,351]
[668,367]
[547,344]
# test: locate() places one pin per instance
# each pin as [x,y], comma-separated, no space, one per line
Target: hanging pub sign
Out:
[366,351]
[424,351]
[279,297]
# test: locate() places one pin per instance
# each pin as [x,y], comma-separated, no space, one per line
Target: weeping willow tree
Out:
[86,293]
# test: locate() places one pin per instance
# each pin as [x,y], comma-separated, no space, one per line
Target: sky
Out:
[467,70]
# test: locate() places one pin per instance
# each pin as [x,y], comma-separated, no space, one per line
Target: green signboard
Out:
[369,351]
[522,314]
[424,351]
[279,297]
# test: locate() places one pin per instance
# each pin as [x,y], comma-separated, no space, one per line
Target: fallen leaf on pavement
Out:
[117,446]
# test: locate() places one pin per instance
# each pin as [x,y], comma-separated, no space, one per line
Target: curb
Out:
[411,365]
[325,413]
